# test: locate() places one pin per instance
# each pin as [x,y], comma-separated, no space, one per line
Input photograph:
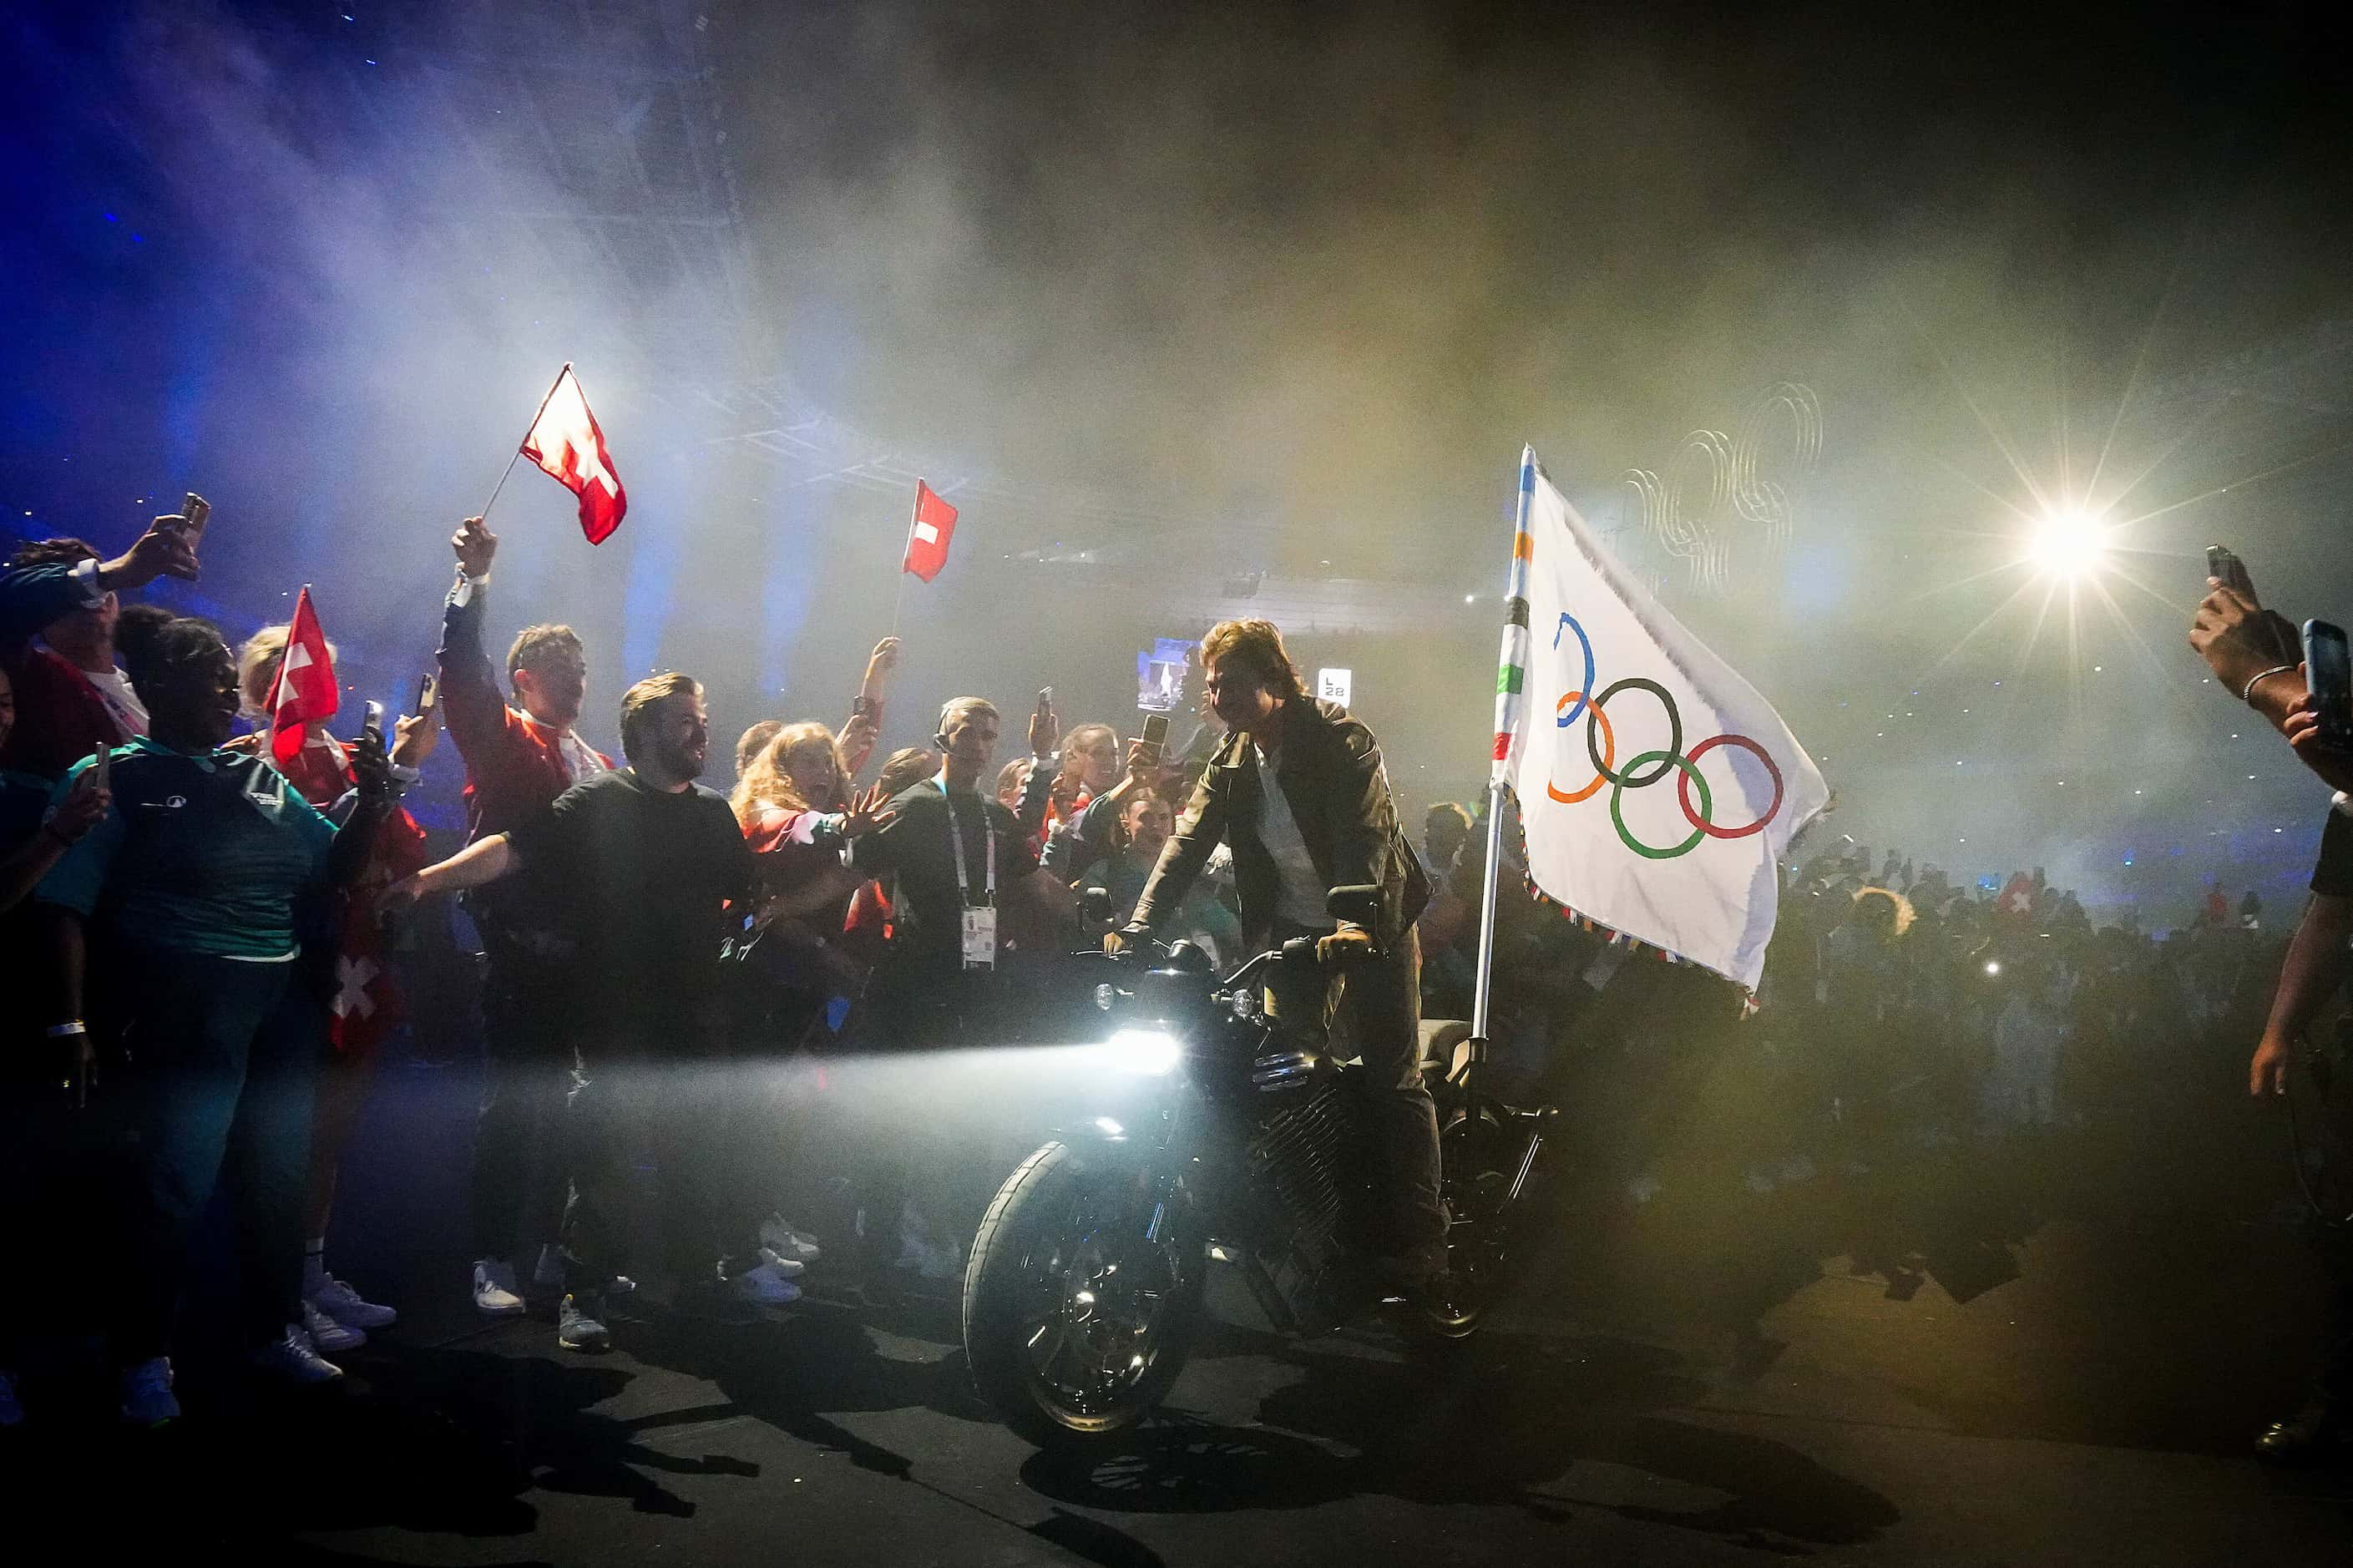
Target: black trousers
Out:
[908,1146]
[220,1093]
[517,1199]
[687,1109]
[1379,1004]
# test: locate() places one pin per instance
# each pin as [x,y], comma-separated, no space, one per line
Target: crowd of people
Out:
[206,924]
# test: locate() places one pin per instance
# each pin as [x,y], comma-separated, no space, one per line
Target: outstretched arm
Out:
[484,861]
[2316,963]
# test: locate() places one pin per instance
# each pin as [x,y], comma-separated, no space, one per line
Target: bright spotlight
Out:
[2068,543]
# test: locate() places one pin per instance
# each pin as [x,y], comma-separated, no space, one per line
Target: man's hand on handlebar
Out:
[1345,944]
[1131,935]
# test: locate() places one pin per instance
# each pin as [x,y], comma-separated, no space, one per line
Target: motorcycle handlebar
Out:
[1296,950]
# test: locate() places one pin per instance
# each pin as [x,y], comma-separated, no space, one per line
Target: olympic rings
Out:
[1564,720]
[1602,749]
[1683,787]
[1610,745]
[1675,730]
[1617,816]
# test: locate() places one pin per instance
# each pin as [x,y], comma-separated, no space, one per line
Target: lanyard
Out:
[956,846]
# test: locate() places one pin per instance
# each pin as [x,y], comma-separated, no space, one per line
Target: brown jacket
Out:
[1330,774]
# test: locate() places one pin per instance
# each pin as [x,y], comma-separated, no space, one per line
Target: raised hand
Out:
[415,738]
[2331,764]
[164,551]
[879,665]
[868,810]
[476,546]
[2238,638]
[372,772]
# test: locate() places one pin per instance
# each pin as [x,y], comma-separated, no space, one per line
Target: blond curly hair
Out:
[768,780]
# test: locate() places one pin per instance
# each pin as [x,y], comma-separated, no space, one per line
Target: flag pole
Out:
[1511,701]
[515,456]
[899,595]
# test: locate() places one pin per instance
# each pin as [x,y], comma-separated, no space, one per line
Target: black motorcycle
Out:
[1084,1290]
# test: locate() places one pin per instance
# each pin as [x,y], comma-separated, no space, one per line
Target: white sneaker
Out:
[12,1409]
[767,1287]
[341,1303]
[327,1335]
[783,1264]
[295,1359]
[494,1289]
[147,1394]
[779,1235]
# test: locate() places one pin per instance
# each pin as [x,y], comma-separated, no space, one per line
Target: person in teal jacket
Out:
[182,917]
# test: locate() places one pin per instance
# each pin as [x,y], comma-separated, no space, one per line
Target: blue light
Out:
[111,218]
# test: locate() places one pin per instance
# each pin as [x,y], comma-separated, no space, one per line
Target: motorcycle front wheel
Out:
[1082,1299]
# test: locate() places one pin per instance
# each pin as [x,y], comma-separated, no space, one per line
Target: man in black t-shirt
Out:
[643,866]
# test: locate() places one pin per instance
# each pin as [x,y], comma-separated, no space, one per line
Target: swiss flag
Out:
[304,692]
[927,533]
[2017,899]
[566,444]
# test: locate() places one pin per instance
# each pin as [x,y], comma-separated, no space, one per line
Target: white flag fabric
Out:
[1657,788]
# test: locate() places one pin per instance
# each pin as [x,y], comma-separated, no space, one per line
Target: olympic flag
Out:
[1657,788]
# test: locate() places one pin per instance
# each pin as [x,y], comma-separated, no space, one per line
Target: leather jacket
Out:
[1329,769]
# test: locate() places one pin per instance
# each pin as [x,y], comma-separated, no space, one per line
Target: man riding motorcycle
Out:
[1298,791]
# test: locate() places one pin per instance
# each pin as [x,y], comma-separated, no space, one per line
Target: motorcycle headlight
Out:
[1106,995]
[1152,1053]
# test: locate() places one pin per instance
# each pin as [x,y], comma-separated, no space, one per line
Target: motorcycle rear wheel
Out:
[1068,1352]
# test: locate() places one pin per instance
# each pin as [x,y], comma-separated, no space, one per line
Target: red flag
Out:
[566,444]
[927,534]
[305,692]
[2017,899]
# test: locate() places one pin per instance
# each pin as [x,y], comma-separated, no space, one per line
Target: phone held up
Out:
[198,511]
[375,723]
[2225,567]
[1155,734]
[2328,674]
[428,692]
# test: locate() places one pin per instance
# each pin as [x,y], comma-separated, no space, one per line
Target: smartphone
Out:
[198,511]
[428,692]
[1155,734]
[2328,674]
[375,723]
[1045,700]
[101,771]
[2225,567]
